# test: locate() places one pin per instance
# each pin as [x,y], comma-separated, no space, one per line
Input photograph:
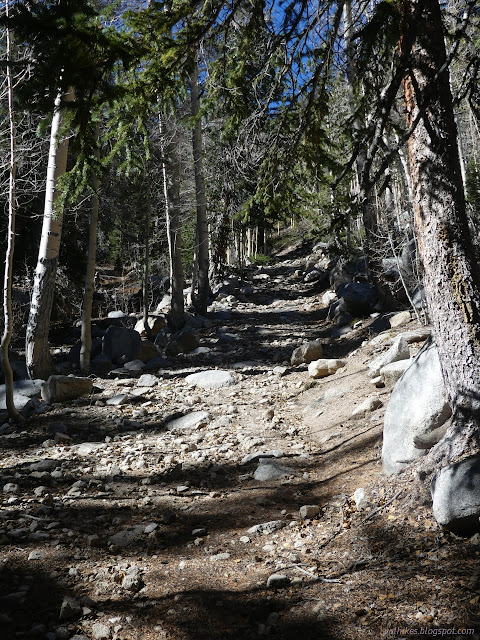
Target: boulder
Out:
[64,388]
[101,365]
[155,323]
[214,379]
[121,343]
[400,319]
[324,367]
[367,406]
[418,405]
[456,496]
[359,298]
[182,342]
[307,353]
[147,351]
[398,351]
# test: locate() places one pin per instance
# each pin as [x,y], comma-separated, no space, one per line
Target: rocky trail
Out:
[230,495]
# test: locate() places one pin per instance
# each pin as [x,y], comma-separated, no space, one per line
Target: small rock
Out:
[219,556]
[267,527]
[392,372]
[257,455]
[70,609]
[277,581]
[360,499]
[307,353]
[193,420]
[11,488]
[324,367]
[269,470]
[117,400]
[100,631]
[36,554]
[309,511]
[367,406]
[244,539]
[400,319]
[214,379]
[147,380]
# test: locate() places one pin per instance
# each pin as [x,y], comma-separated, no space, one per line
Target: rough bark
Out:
[86,331]
[7,283]
[37,350]
[200,300]
[451,273]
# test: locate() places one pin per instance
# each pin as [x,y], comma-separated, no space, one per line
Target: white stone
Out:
[324,367]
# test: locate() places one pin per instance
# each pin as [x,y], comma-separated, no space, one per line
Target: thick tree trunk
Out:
[200,300]
[452,276]
[7,284]
[37,349]
[86,330]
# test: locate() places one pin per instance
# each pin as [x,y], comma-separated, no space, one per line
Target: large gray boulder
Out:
[418,406]
[456,496]
[121,343]
[64,388]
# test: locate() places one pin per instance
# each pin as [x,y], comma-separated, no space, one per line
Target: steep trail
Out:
[128,524]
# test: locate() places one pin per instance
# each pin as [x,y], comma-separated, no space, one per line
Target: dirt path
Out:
[118,522]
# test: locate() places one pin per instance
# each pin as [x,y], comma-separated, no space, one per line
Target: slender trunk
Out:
[200,301]
[171,185]
[7,284]
[86,330]
[37,349]
[452,275]
[146,272]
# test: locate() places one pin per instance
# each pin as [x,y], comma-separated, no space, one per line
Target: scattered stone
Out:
[456,496]
[367,406]
[190,421]
[278,581]
[135,365]
[117,400]
[244,539]
[267,527]
[36,554]
[324,367]
[307,353]
[378,382]
[11,488]
[309,511]
[400,319]
[417,335]
[147,380]
[213,379]
[132,580]
[268,470]
[64,388]
[360,499]
[398,351]
[127,537]
[279,371]
[70,609]
[219,556]
[257,455]
[100,631]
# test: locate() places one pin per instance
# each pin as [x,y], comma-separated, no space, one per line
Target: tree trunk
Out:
[37,349]
[452,276]
[200,300]
[171,184]
[7,284]
[86,336]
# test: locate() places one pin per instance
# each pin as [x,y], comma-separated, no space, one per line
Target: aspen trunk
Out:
[86,329]
[171,185]
[452,276]
[37,350]
[200,300]
[7,284]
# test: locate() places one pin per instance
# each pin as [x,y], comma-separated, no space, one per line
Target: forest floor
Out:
[127,527]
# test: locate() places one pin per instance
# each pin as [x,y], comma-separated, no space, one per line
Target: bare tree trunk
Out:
[171,184]
[452,275]
[37,350]
[86,336]
[200,301]
[7,283]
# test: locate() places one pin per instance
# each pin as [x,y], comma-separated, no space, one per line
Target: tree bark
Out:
[7,284]
[200,300]
[37,350]
[171,184]
[86,335]
[452,275]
